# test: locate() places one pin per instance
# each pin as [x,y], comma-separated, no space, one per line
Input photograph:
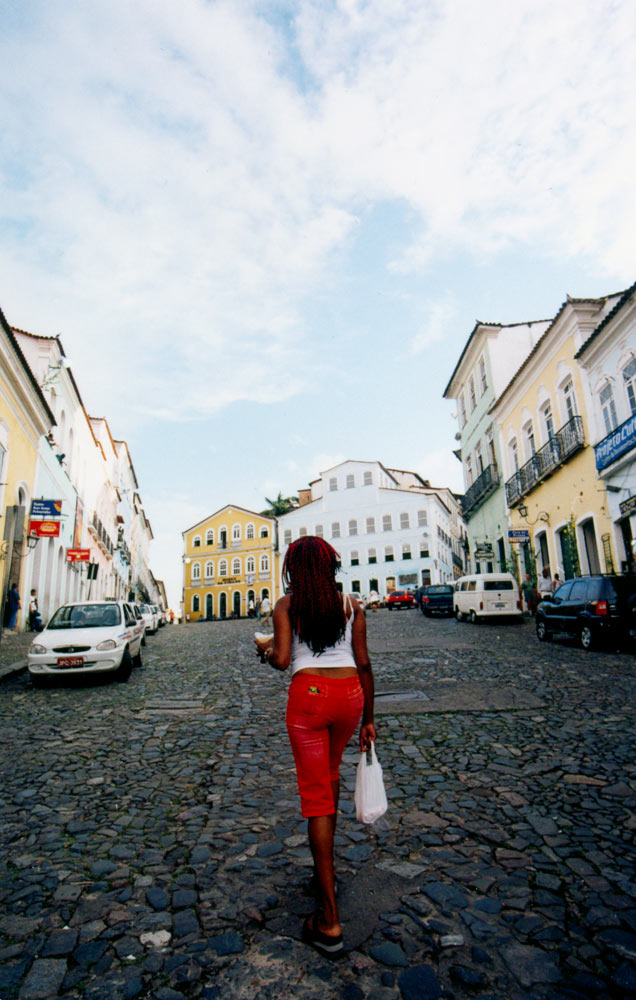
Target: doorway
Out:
[236,608]
[223,605]
[209,606]
[591,548]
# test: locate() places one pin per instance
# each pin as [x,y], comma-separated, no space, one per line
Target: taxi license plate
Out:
[499,604]
[70,661]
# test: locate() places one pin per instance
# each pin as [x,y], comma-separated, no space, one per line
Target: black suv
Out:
[594,608]
[437,599]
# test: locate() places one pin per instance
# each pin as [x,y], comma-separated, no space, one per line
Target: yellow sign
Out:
[229,579]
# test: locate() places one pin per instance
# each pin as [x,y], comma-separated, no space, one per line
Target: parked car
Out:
[487,595]
[596,609]
[159,615]
[437,599]
[136,610]
[150,618]
[400,599]
[87,637]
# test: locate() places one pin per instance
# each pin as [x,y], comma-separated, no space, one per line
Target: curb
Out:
[12,669]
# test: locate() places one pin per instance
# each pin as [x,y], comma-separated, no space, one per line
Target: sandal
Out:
[324,944]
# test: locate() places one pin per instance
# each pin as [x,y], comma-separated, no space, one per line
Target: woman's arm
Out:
[365,673]
[277,652]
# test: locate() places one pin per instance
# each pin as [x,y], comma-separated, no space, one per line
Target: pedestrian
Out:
[544,585]
[323,635]
[35,621]
[257,608]
[556,582]
[266,610]
[250,608]
[530,594]
[13,606]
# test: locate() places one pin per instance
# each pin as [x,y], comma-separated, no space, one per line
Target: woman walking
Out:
[323,636]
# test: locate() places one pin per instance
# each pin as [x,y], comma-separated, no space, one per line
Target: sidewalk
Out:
[13,651]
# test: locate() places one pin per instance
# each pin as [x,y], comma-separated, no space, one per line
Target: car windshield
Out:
[439,590]
[86,616]
[498,585]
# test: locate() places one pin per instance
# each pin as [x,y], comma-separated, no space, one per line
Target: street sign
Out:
[43,510]
[78,555]
[45,529]
[519,535]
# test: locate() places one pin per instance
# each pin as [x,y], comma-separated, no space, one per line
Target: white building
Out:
[392,529]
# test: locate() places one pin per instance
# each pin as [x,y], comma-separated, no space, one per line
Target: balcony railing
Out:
[485,484]
[561,446]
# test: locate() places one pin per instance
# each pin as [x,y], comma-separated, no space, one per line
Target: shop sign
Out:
[44,510]
[518,535]
[228,579]
[616,444]
[628,506]
[406,579]
[78,555]
[45,529]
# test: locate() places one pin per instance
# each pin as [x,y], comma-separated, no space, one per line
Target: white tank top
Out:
[340,655]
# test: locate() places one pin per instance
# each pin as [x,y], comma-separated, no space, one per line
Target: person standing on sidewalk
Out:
[545,585]
[13,606]
[323,636]
[266,610]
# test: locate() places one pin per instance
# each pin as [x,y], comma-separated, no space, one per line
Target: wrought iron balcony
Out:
[561,446]
[485,484]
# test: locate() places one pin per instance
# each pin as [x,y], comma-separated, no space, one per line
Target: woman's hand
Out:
[263,647]
[367,736]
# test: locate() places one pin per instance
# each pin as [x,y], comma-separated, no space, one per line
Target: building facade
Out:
[608,358]
[393,530]
[230,558]
[556,509]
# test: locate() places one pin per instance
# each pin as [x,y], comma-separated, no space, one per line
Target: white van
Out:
[486,595]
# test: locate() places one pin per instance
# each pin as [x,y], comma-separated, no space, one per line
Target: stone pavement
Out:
[152,843]
[13,651]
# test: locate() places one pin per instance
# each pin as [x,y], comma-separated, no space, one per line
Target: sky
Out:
[264,230]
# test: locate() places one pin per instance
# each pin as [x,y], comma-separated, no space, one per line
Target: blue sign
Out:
[43,510]
[518,535]
[616,443]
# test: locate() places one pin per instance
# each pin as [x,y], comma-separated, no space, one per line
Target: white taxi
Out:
[87,637]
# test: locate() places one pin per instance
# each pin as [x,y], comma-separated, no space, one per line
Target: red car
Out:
[400,599]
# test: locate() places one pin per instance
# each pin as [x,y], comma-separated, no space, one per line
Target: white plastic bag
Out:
[370,797]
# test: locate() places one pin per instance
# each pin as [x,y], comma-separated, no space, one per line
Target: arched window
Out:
[209,538]
[249,531]
[196,541]
[236,532]
[264,564]
[223,567]
[196,603]
[250,565]
[209,570]
[608,407]
[629,378]
[196,571]
[236,567]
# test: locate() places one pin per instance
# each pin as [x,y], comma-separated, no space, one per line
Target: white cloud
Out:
[435,328]
[441,468]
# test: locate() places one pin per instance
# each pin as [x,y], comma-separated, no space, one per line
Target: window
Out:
[405,520]
[236,532]
[249,531]
[370,525]
[424,550]
[250,565]
[462,410]
[406,551]
[490,449]
[388,553]
[333,484]
[513,450]
[528,434]
[548,422]
[629,378]
[335,529]
[350,482]
[196,603]
[196,541]
[479,460]
[373,557]
[236,567]
[320,531]
[302,532]
[355,586]
[608,407]
[469,471]
[355,558]
[368,479]
[209,570]
[264,532]
[387,523]
[264,564]
[471,392]
[353,527]
[223,567]
[422,519]
[196,571]
[569,399]
[209,538]
[287,537]
[482,375]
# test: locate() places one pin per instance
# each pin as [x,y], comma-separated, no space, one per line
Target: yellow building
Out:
[551,482]
[230,558]
[24,418]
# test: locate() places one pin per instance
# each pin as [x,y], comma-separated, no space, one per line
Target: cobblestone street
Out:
[153,846]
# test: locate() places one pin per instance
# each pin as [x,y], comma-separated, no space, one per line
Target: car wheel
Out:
[143,639]
[137,661]
[543,634]
[458,615]
[473,617]
[586,637]
[125,667]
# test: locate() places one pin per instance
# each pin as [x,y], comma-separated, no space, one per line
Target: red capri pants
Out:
[322,715]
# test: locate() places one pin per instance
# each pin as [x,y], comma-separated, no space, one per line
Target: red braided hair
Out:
[316,610]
